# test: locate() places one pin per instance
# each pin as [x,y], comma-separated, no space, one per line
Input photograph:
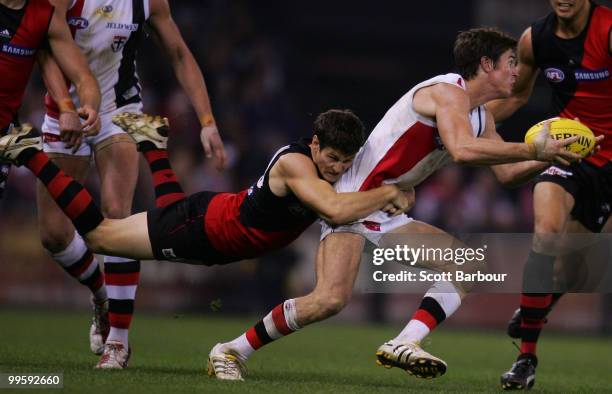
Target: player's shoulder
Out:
[602,16]
[450,87]
[294,164]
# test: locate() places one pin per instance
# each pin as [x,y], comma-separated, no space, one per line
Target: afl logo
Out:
[554,75]
[79,23]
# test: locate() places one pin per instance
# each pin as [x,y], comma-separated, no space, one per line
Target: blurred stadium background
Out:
[270,68]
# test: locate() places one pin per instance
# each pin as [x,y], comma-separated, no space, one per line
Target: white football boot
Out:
[411,358]
[146,130]
[114,356]
[225,364]
[17,141]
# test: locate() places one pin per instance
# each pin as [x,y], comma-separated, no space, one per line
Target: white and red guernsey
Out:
[404,147]
[108,33]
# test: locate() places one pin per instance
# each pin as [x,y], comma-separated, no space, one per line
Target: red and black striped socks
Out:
[536,300]
[166,186]
[280,322]
[70,196]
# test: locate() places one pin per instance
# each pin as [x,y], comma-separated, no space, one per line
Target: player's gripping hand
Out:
[71,130]
[402,203]
[598,140]
[91,124]
[551,150]
[213,145]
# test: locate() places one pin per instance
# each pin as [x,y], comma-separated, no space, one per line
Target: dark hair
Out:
[339,129]
[473,44]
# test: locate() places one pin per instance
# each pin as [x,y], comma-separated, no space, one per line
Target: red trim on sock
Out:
[167,199]
[278,316]
[155,154]
[126,279]
[533,324]
[78,204]
[78,270]
[253,339]
[98,283]
[58,184]
[542,301]
[120,320]
[528,347]
[426,318]
[37,162]
[164,176]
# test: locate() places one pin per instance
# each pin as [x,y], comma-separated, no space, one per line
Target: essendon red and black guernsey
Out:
[22,32]
[578,70]
[217,228]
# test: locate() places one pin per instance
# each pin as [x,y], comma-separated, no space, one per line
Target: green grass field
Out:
[170,354]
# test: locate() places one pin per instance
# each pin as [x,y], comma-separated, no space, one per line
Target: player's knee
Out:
[116,210]
[56,240]
[544,226]
[333,304]
[96,242]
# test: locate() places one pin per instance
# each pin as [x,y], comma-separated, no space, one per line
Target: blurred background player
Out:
[437,122]
[109,33]
[573,47]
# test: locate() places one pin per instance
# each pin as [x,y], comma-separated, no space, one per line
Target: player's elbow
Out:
[461,155]
[507,180]
[334,214]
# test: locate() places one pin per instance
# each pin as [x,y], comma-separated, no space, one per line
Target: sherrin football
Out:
[561,128]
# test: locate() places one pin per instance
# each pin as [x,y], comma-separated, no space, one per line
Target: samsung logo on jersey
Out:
[122,26]
[78,22]
[554,75]
[17,50]
[592,75]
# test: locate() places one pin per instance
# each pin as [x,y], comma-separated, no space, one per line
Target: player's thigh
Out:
[337,262]
[117,163]
[417,234]
[55,228]
[128,237]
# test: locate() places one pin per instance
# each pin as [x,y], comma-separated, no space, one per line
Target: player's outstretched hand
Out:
[213,145]
[91,124]
[551,150]
[71,130]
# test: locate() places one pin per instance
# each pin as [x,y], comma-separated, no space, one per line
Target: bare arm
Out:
[513,174]
[70,126]
[73,64]
[451,106]
[299,175]
[189,76]
[527,74]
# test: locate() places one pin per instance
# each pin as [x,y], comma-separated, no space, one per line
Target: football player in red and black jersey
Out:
[25,28]
[572,46]
[218,228]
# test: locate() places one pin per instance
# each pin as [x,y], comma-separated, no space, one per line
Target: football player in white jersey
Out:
[108,32]
[435,123]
